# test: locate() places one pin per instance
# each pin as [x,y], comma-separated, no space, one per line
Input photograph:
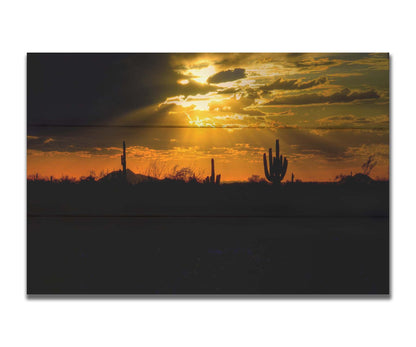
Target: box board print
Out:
[214,173]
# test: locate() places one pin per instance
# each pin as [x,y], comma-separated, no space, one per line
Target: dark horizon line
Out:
[41,125]
[158,180]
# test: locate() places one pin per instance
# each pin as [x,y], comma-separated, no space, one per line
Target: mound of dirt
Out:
[132,178]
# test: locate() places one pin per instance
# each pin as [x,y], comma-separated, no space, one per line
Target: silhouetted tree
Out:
[369,165]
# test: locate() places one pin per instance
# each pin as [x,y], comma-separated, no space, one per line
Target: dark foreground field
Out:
[319,239]
[188,199]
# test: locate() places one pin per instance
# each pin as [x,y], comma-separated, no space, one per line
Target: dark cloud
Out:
[251,93]
[316,63]
[110,139]
[293,84]
[331,145]
[344,121]
[195,88]
[344,96]
[228,75]
[228,91]
[73,89]
[338,118]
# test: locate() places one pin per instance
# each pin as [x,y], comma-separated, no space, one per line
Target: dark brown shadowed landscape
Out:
[183,236]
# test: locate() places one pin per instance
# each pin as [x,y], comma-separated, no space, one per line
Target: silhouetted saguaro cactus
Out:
[123,159]
[213,178]
[218,179]
[276,170]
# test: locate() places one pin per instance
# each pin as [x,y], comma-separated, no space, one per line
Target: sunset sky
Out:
[329,111]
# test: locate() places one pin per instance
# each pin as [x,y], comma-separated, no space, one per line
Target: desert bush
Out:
[256,179]
[184,174]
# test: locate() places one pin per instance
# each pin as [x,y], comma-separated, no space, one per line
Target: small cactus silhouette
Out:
[276,170]
[213,178]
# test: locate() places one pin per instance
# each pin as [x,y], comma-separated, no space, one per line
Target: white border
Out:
[291,26]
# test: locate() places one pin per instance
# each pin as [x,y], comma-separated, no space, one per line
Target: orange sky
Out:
[74,165]
[329,111]
[235,160]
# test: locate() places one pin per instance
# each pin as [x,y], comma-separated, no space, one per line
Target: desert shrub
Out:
[156,169]
[256,179]
[184,174]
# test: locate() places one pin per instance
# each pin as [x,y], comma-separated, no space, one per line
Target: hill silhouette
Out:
[131,177]
[358,178]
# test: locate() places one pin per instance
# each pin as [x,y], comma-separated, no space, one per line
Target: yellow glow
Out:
[200,105]
[201,75]
[196,121]
[200,102]
[183,82]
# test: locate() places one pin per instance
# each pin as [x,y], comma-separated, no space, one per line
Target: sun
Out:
[201,75]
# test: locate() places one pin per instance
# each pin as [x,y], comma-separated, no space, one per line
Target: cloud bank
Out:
[344,96]
[293,84]
[227,76]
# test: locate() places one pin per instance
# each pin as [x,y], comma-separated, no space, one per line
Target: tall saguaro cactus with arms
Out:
[275,171]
